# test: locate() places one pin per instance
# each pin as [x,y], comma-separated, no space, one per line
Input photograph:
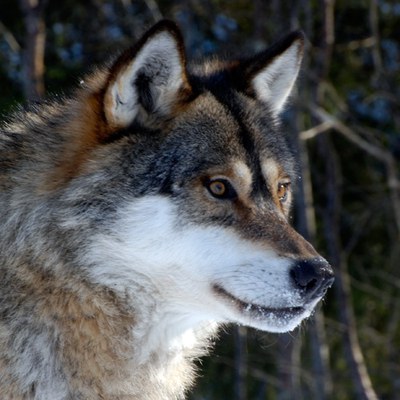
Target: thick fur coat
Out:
[141,213]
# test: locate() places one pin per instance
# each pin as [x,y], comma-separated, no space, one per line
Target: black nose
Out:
[313,277]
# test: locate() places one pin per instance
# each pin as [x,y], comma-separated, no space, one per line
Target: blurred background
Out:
[343,121]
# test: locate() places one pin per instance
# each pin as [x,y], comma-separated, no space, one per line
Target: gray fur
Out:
[67,335]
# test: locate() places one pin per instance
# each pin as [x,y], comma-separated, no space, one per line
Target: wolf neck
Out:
[165,344]
[164,348]
[169,334]
[162,330]
[119,347]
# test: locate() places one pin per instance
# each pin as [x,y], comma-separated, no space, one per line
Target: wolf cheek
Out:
[207,273]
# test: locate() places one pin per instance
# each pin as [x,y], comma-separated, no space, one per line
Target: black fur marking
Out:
[135,129]
[226,96]
[143,84]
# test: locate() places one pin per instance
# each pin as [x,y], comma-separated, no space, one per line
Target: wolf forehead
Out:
[217,127]
[218,110]
[220,127]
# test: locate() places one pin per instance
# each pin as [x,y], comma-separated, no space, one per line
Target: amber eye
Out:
[217,188]
[221,189]
[283,190]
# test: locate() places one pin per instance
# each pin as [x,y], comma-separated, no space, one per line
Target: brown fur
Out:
[117,260]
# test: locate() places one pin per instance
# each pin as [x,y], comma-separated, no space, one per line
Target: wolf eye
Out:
[283,190]
[221,189]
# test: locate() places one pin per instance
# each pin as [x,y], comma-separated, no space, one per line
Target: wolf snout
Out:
[313,277]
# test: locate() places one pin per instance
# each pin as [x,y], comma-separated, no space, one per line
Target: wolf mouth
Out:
[258,310]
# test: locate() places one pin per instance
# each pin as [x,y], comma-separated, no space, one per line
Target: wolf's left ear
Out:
[147,79]
[272,73]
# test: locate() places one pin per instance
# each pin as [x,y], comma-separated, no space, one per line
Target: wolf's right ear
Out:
[147,78]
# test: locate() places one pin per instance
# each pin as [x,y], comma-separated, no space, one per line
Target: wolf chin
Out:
[143,212]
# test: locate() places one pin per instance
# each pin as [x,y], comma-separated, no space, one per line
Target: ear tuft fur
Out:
[147,78]
[272,73]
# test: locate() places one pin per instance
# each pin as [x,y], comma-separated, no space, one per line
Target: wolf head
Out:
[206,180]
[175,183]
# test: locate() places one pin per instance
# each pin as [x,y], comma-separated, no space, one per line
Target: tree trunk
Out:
[289,367]
[34,48]
[306,225]
[360,377]
[240,335]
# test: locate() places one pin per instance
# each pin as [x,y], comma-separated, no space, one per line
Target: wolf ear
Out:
[272,73]
[147,78]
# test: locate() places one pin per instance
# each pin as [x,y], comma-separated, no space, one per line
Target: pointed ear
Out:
[272,74]
[148,78]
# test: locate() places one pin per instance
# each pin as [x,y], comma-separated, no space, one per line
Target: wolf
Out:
[141,213]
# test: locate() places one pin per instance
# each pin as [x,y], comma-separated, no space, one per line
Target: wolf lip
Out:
[256,309]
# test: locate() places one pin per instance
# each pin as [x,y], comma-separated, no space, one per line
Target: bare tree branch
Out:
[373,150]
[376,53]
[9,38]
[316,130]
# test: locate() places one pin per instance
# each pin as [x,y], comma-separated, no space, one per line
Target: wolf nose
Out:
[313,276]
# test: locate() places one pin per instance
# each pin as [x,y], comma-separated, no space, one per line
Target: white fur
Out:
[158,56]
[173,267]
[274,83]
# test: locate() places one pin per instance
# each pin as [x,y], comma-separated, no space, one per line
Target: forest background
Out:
[344,121]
